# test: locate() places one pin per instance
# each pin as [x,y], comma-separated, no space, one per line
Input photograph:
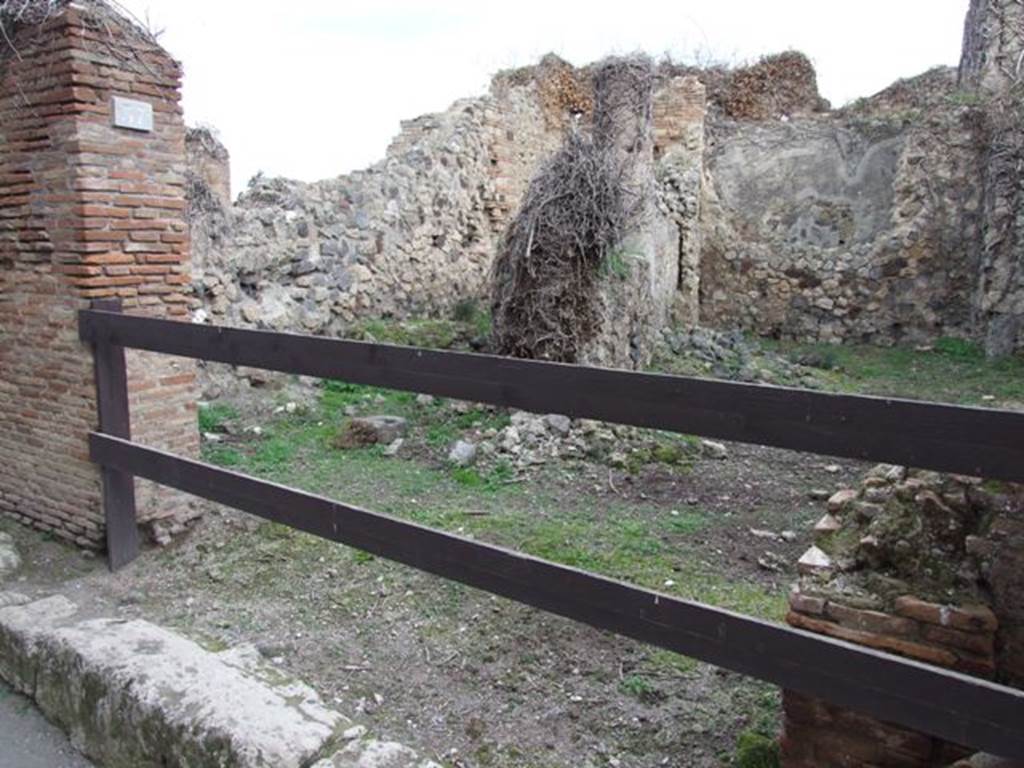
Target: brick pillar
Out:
[680,109]
[87,210]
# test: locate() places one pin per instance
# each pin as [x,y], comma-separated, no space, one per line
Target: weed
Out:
[959,349]
[492,480]
[755,750]
[639,688]
[211,417]
[465,310]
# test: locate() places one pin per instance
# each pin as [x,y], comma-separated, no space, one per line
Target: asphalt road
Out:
[27,740]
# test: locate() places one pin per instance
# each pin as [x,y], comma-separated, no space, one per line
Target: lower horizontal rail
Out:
[961,709]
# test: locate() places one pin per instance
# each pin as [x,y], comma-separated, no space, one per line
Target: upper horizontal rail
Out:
[973,441]
[947,704]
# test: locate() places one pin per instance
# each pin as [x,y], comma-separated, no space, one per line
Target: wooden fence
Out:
[973,441]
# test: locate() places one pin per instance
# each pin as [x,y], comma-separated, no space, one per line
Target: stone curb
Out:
[130,693]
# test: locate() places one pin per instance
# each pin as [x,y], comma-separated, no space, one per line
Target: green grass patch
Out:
[953,371]
[222,456]
[212,416]
[755,750]
[469,321]
[639,687]
[549,514]
[492,479]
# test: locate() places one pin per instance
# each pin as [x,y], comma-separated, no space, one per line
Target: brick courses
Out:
[87,211]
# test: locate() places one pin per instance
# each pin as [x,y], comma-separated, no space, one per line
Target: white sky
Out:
[313,88]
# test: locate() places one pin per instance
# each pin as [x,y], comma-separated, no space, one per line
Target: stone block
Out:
[132,693]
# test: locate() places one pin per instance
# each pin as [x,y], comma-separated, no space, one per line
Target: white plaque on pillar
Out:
[132,114]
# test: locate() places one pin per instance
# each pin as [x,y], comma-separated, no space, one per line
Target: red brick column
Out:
[87,210]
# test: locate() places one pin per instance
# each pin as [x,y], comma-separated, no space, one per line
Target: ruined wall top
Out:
[993,50]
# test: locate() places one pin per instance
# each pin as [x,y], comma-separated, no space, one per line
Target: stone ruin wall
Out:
[416,233]
[993,66]
[857,227]
[863,224]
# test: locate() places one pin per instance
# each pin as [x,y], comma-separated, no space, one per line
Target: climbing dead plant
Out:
[576,210]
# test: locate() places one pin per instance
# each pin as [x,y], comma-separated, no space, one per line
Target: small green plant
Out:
[465,310]
[959,349]
[755,750]
[212,417]
[966,99]
[638,687]
[493,480]
[615,265]
[468,312]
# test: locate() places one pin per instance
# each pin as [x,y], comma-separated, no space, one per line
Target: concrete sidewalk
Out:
[27,740]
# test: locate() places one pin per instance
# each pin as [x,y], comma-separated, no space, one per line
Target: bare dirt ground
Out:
[471,679]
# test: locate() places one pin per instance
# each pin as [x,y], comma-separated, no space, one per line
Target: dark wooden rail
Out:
[948,438]
[986,442]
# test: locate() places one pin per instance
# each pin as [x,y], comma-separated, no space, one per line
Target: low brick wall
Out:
[820,735]
[917,564]
[88,211]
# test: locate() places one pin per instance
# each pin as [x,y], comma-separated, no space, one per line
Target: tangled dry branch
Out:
[575,211]
[105,14]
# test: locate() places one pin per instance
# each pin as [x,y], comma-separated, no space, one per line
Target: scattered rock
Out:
[558,424]
[371,753]
[833,469]
[891,473]
[425,400]
[819,494]
[714,450]
[788,536]
[814,561]
[839,500]
[617,460]
[763,534]
[272,650]
[394,447]
[463,453]
[770,561]
[828,524]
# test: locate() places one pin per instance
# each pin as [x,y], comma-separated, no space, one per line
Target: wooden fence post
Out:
[118,486]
